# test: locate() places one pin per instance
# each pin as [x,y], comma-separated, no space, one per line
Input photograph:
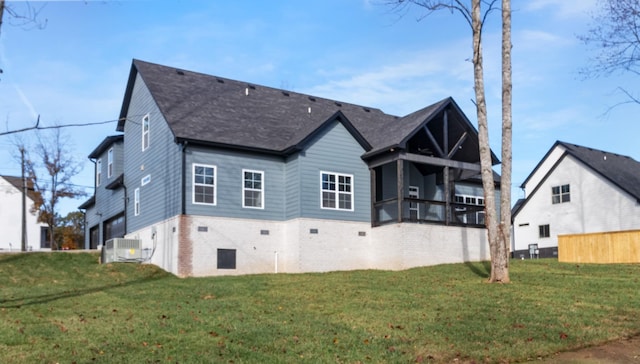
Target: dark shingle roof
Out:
[17,183]
[106,143]
[622,171]
[219,111]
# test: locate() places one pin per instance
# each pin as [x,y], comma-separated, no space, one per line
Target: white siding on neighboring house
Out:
[596,205]
[543,170]
[11,219]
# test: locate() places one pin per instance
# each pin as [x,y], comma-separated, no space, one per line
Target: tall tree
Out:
[498,227]
[615,33]
[51,174]
[70,230]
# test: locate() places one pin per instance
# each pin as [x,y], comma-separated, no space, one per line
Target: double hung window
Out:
[336,191]
[204,184]
[252,189]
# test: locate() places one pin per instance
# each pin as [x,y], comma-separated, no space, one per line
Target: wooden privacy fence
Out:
[609,247]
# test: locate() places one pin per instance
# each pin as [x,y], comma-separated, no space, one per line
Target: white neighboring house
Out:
[11,218]
[575,190]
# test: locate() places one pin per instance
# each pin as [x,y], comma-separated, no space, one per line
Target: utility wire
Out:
[38,127]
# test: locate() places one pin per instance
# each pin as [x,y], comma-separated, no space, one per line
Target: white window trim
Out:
[99,172]
[110,163]
[479,201]
[136,202]
[337,192]
[414,192]
[145,180]
[245,189]
[193,184]
[145,120]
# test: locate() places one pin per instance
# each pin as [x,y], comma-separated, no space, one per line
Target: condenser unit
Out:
[122,250]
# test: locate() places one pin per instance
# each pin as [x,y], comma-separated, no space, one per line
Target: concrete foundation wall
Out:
[188,245]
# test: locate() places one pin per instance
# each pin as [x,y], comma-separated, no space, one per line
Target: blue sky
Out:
[75,69]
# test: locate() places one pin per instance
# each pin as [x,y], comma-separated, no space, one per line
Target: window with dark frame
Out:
[560,194]
[544,231]
[226,259]
[136,202]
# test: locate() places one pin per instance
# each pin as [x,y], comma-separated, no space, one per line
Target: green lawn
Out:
[66,308]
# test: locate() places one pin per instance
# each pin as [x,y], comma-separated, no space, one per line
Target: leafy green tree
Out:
[70,231]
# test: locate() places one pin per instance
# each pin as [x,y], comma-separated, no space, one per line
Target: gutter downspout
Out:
[183,202]
[126,198]
[86,228]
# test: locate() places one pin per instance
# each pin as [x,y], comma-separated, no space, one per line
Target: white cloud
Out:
[561,8]
[402,83]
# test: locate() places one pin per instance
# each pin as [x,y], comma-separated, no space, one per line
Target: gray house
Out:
[215,176]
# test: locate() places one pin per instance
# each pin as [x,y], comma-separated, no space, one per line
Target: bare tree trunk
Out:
[486,169]
[498,232]
[500,263]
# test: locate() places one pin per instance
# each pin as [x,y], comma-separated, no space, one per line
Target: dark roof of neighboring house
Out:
[516,208]
[218,111]
[106,143]
[88,203]
[17,183]
[621,170]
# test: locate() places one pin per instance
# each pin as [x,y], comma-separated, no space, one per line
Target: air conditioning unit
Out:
[122,250]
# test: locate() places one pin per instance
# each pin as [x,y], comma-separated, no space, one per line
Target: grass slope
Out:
[65,307]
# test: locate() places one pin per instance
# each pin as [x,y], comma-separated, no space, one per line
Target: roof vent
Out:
[285,93]
[309,110]
[312,98]
[366,109]
[180,72]
[251,87]
[339,104]
[220,80]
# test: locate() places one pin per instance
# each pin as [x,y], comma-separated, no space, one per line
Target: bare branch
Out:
[615,34]
[38,127]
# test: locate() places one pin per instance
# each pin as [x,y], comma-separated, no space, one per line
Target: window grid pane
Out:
[204,189]
[560,194]
[337,191]
[252,189]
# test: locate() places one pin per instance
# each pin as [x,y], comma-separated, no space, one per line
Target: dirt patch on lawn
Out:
[616,352]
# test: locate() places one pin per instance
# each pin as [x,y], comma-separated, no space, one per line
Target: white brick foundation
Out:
[188,245]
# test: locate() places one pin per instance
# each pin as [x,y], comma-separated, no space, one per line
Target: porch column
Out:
[400,172]
[447,195]
[372,178]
